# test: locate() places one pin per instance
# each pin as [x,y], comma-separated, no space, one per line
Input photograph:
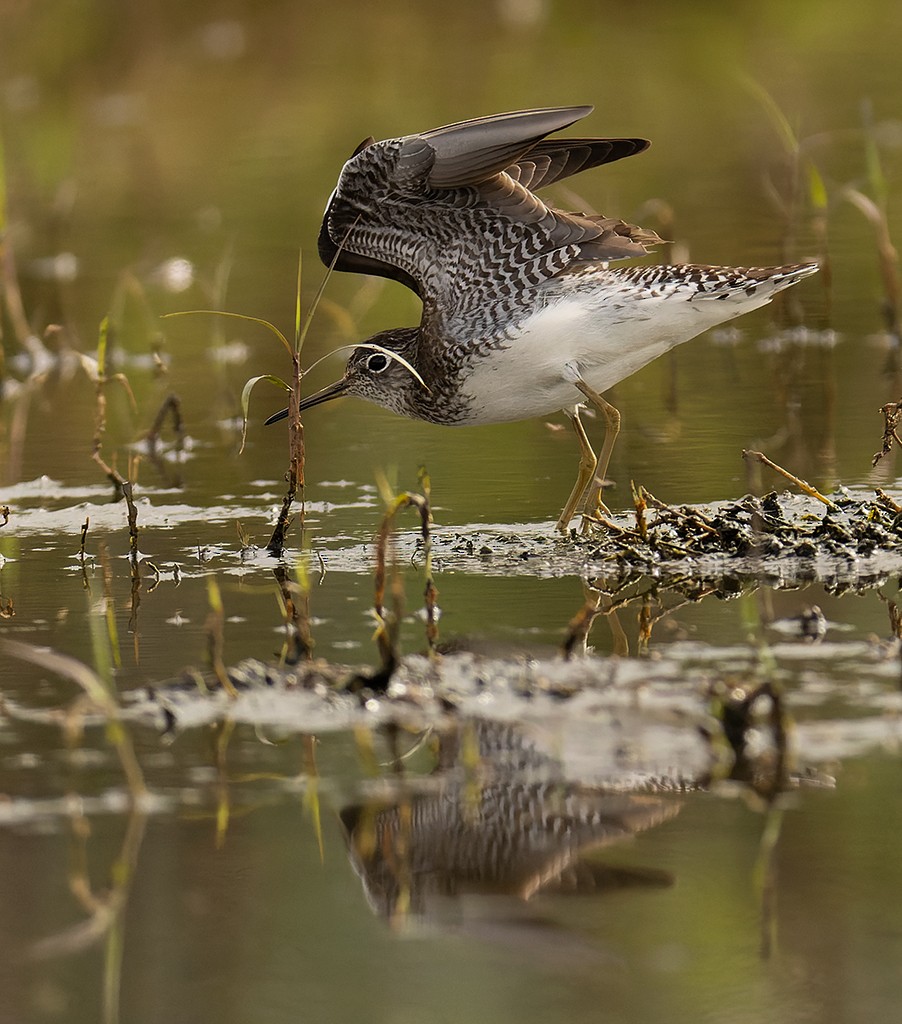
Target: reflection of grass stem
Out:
[101,697]
[389,623]
[595,603]
[294,601]
[215,629]
[765,878]
[895,615]
[106,920]
[223,796]
[104,632]
[430,593]
[579,626]
[891,414]
[311,793]
[84,536]
[172,407]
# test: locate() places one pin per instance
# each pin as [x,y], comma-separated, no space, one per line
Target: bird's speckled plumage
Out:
[523,314]
[513,827]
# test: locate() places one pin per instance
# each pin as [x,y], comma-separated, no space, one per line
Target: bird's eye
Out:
[377,362]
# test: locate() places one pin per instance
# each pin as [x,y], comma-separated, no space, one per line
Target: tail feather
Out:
[696,283]
[723,282]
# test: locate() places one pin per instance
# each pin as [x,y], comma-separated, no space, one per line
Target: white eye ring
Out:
[377,362]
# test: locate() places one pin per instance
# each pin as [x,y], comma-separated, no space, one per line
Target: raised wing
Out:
[553,159]
[452,213]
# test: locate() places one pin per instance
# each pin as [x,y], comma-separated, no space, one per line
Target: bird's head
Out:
[381,370]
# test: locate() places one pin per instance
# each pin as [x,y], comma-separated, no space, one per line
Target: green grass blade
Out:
[235,316]
[873,166]
[101,347]
[777,118]
[298,341]
[322,287]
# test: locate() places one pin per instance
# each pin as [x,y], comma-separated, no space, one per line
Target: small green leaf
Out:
[817,190]
[246,399]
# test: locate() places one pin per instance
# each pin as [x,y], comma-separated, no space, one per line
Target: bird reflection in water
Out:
[495,825]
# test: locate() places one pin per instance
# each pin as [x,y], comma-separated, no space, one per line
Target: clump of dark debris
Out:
[848,541]
[773,526]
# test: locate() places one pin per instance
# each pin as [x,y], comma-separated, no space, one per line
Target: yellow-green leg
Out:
[594,504]
[587,466]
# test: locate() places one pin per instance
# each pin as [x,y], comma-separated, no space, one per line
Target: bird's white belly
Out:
[525,378]
[605,341]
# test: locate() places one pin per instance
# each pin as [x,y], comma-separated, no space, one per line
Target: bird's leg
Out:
[594,504]
[587,466]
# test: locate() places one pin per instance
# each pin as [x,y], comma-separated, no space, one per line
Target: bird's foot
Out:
[598,519]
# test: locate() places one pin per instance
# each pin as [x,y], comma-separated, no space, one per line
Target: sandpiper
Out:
[523,315]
